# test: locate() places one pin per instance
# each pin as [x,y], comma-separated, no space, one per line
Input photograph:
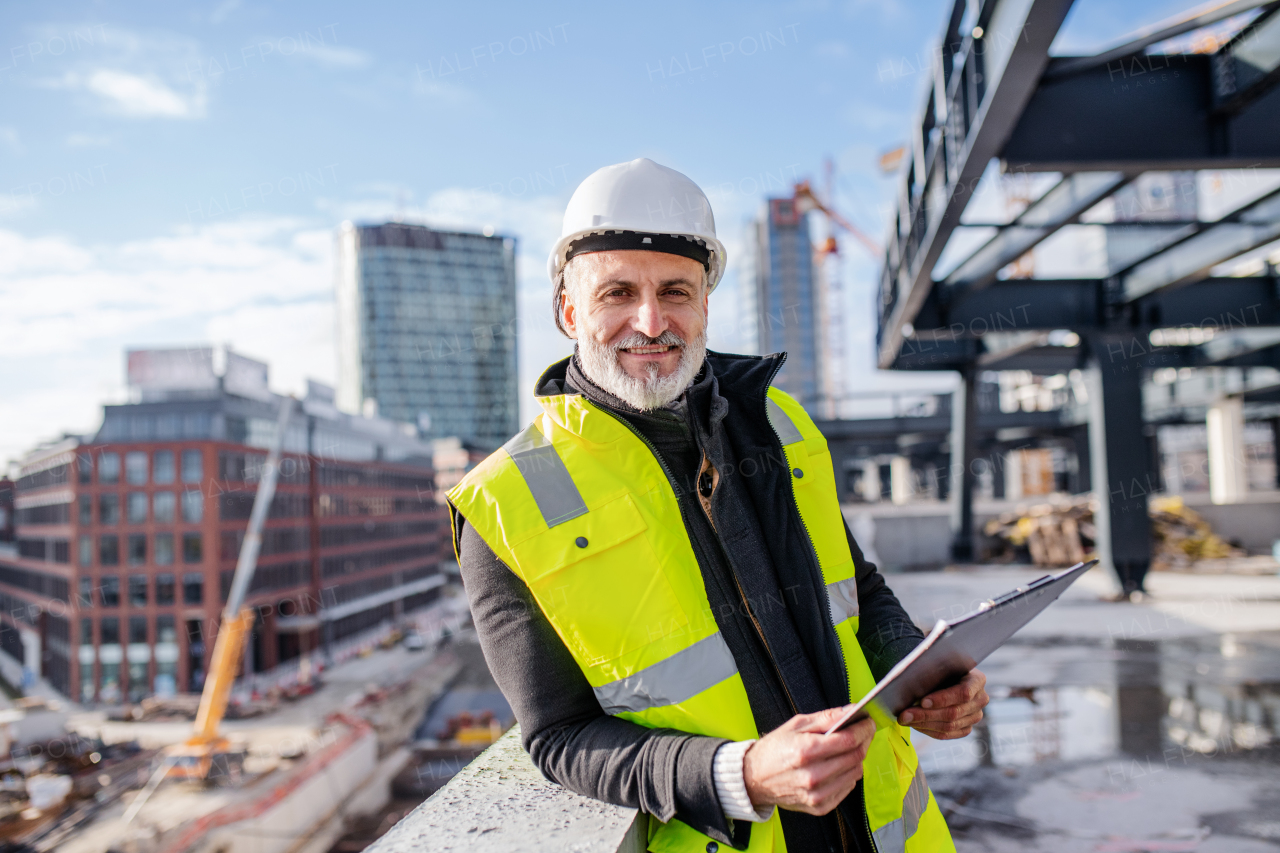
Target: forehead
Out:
[635,265]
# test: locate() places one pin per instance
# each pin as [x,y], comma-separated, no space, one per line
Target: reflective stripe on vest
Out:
[782,424]
[671,681]
[892,837]
[544,473]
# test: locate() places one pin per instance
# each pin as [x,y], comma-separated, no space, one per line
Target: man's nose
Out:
[650,318]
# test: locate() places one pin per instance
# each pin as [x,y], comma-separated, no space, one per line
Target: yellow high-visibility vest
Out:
[579,507]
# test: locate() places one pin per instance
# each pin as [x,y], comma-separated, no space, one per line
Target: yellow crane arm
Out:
[228,649]
[237,620]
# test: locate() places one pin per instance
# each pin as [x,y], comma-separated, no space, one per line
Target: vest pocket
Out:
[598,581]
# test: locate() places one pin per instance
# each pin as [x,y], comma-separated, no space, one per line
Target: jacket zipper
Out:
[826,601]
[844,839]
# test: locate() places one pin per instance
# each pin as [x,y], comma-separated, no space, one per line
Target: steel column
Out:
[964,450]
[1119,455]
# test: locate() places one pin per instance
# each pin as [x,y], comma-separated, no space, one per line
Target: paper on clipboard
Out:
[954,648]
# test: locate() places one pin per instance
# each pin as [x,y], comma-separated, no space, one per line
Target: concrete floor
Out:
[1117,727]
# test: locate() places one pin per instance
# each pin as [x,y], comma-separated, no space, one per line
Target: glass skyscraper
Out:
[782,296]
[427,329]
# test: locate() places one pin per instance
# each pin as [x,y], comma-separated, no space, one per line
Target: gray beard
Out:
[601,364]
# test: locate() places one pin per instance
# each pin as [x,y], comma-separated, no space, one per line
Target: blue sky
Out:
[173,173]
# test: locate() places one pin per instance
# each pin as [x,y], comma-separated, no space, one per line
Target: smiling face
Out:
[640,320]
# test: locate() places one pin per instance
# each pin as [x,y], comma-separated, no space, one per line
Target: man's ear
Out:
[568,314]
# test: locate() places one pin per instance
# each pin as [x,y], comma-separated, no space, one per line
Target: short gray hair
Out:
[557,295]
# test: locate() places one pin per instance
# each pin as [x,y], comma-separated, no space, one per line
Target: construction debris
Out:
[1182,537]
[1062,533]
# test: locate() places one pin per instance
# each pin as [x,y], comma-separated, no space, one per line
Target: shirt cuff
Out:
[731,788]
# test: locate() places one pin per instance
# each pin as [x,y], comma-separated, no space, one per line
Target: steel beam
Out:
[1142,113]
[1072,196]
[984,98]
[1253,225]
[1079,304]
[1249,66]
[1076,64]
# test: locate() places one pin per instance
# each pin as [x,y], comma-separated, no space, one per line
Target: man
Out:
[661,579]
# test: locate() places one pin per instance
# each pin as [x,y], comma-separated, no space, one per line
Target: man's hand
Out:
[951,713]
[797,767]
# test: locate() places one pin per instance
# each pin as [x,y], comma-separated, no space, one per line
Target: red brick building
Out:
[127,540]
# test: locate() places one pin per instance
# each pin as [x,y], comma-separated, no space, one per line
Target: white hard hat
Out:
[646,204]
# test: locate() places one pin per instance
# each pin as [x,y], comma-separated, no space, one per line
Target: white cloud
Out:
[134,95]
[71,310]
[142,74]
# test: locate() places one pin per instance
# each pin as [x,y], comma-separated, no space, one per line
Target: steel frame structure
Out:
[1099,122]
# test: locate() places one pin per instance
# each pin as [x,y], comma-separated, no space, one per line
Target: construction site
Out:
[232,621]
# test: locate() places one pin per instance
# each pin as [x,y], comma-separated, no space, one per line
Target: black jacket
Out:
[765,589]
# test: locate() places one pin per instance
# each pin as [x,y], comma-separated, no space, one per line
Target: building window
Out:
[110,630]
[88,686]
[192,507]
[61,551]
[162,507]
[86,510]
[108,468]
[164,588]
[192,550]
[165,632]
[86,550]
[109,550]
[136,507]
[192,466]
[86,592]
[135,468]
[137,549]
[164,549]
[137,629]
[137,590]
[108,509]
[162,467]
[193,588]
[84,468]
[109,590]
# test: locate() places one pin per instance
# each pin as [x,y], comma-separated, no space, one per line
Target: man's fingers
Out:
[950,713]
[825,784]
[820,721]
[970,686]
[956,728]
[816,747]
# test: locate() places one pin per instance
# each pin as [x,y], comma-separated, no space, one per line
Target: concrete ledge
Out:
[500,802]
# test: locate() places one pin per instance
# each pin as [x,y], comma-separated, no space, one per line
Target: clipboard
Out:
[944,657]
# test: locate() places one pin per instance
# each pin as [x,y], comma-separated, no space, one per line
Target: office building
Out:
[128,538]
[426,329]
[782,295]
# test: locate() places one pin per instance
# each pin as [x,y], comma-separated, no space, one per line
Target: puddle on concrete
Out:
[1165,700]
